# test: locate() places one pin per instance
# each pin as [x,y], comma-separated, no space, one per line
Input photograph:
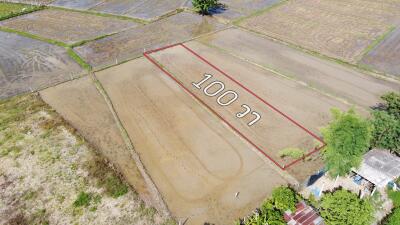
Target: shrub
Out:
[115,187]
[294,153]
[392,103]
[344,207]
[203,6]
[83,199]
[271,210]
[386,131]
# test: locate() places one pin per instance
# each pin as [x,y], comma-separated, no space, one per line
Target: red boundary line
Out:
[284,167]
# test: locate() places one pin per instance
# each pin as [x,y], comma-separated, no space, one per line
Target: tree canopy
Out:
[392,103]
[386,123]
[344,207]
[386,131]
[284,198]
[348,138]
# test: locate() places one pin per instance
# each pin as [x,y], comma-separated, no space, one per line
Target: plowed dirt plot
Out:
[67,26]
[197,163]
[142,9]
[340,29]
[327,77]
[28,65]
[132,43]
[386,56]
[262,124]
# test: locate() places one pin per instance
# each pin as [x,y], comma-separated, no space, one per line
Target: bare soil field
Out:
[67,26]
[132,43]
[142,9]
[28,65]
[327,77]
[334,28]
[197,163]
[385,56]
[273,132]
[84,108]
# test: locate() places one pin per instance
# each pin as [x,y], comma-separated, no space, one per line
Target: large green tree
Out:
[343,207]
[386,131]
[348,137]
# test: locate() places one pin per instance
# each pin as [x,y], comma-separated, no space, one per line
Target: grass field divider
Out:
[31,8]
[282,167]
[162,206]
[68,48]
[375,43]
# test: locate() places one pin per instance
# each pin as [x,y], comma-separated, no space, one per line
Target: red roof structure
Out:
[304,215]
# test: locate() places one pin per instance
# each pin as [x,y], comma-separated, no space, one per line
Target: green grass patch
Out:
[83,200]
[114,187]
[8,10]
[148,212]
[78,59]
[294,153]
[395,197]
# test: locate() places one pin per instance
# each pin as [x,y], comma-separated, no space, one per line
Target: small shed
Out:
[304,215]
[379,167]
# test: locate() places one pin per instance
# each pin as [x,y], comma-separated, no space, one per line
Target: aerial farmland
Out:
[198,112]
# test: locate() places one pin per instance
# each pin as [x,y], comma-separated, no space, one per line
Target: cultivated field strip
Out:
[326,77]
[141,9]
[67,26]
[386,56]
[132,43]
[27,65]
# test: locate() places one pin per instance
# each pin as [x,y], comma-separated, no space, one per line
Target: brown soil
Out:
[132,43]
[197,163]
[273,132]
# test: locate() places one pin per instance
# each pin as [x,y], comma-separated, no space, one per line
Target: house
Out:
[379,167]
[304,215]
